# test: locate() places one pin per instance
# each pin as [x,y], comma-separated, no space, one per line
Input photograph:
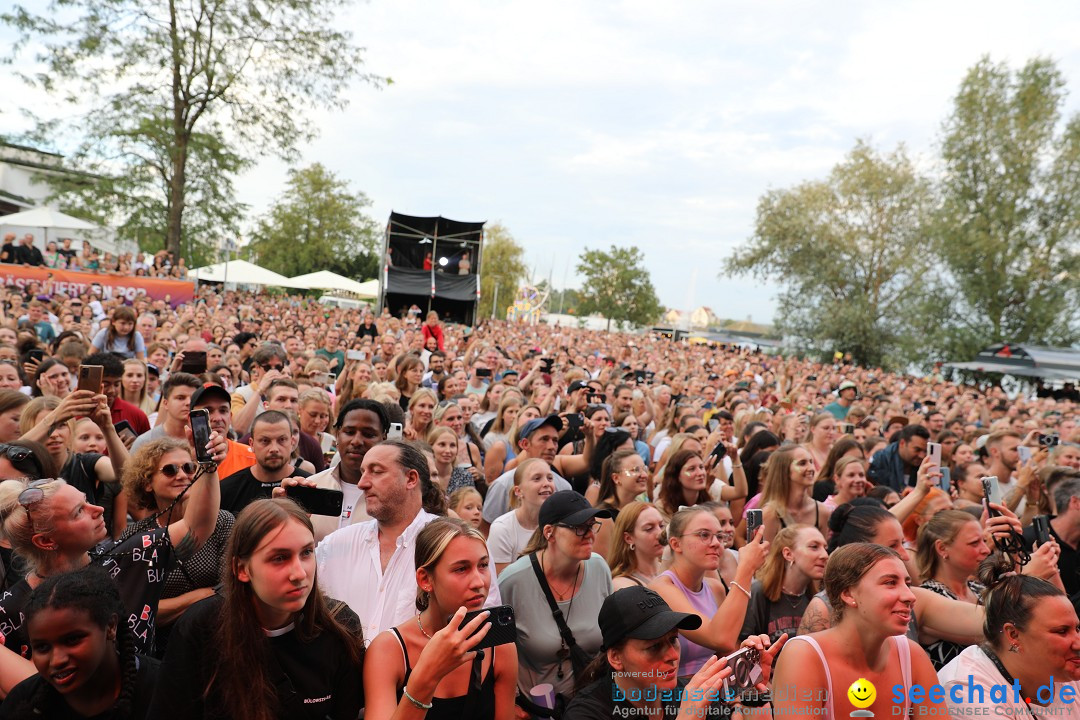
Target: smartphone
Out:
[125,431]
[200,434]
[1024,452]
[1041,523]
[713,424]
[503,626]
[746,672]
[317,501]
[90,378]
[849,429]
[546,365]
[754,520]
[36,354]
[395,432]
[194,362]
[718,451]
[356,355]
[991,494]
[946,479]
[933,451]
[483,372]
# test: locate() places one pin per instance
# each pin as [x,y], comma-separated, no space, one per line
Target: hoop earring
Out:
[632,548]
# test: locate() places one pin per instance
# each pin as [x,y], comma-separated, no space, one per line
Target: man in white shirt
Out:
[370,566]
[360,426]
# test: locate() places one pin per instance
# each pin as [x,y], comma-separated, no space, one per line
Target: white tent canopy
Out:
[46,218]
[326,280]
[240,272]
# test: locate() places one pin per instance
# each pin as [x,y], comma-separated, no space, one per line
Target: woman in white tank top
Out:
[868,588]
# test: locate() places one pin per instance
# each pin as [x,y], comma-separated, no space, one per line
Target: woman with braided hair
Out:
[84,652]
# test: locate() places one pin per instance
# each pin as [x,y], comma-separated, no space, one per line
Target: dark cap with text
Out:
[640,613]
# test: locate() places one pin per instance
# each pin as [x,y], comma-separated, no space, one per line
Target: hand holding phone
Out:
[754,520]
[200,435]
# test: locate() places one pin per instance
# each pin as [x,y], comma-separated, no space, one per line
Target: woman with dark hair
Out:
[1031,639]
[603,445]
[51,379]
[763,441]
[410,373]
[121,337]
[270,647]
[84,652]
[870,597]
[439,675]
[686,483]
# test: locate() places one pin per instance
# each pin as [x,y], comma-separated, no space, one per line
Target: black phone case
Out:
[317,501]
[200,435]
[503,626]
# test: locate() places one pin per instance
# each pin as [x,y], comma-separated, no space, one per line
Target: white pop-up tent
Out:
[240,272]
[326,280]
[47,218]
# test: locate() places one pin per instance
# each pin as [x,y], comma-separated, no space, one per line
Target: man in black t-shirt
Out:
[1065,529]
[28,253]
[8,251]
[271,440]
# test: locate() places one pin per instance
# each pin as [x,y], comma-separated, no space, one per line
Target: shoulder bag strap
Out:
[560,621]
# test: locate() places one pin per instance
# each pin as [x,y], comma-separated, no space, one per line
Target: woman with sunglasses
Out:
[51,423]
[154,478]
[53,526]
[270,646]
[691,585]
[638,541]
[559,560]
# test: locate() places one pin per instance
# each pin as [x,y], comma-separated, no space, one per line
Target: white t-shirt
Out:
[507,538]
[973,668]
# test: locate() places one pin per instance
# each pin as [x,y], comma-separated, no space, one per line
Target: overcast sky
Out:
[657,124]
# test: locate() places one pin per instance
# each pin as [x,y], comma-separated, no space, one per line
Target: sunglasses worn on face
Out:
[171,470]
[268,367]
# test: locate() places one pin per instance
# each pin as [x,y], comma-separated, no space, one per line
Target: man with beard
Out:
[271,440]
[370,566]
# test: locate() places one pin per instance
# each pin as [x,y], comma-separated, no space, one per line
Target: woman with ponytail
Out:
[270,647]
[84,653]
[1032,637]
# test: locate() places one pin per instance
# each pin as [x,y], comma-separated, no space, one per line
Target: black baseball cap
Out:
[575,386]
[640,613]
[568,507]
[207,391]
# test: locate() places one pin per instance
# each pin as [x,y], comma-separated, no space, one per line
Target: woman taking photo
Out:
[869,594]
[637,545]
[786,500]
[53,527]
[948,551]
[686,482]
[691,585]
[511,532]
[84,652]
[444,446]
[270,646]
[559,560]
[849,482]
[821,438]
[50,422]
[641,658]
[1032,637]
[421,411]
[153,478]
[133,386]
[786,583]
[438,675]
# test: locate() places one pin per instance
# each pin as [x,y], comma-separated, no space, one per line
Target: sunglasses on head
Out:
[171,470]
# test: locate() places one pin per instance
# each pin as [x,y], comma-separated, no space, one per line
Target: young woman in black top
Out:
[439,675]
[84,654]
[270,646]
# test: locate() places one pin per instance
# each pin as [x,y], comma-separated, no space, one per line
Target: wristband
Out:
[419,705]
[735,584]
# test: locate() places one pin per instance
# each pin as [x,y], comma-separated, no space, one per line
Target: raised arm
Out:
[203,502]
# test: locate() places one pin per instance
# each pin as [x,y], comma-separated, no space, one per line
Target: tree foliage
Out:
[617,286]
[502,265]
[1010,210]
[318,223]
[171,100]
[848,254]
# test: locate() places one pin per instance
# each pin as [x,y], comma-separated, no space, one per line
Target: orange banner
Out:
[69,282]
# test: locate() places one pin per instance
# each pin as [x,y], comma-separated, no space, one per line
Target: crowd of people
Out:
[257,506]
[62,255]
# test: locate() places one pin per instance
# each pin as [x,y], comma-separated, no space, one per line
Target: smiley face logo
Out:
[862,693]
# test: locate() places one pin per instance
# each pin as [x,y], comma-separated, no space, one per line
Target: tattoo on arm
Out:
[186,547]
[813,620]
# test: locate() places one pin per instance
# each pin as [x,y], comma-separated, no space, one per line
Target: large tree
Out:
[166,97]
[502,266]
[1010,215]
[618,286]
[848,254]
[318,223]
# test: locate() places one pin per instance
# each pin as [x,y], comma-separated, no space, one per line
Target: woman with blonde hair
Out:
[849,481]
[439,675]
[133,385]
[786,583]
[638,541]
[786,499]
[503,456]
[511,532]
[444,447]
[821,437]
[449,414]
[505,416]
[421,414]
